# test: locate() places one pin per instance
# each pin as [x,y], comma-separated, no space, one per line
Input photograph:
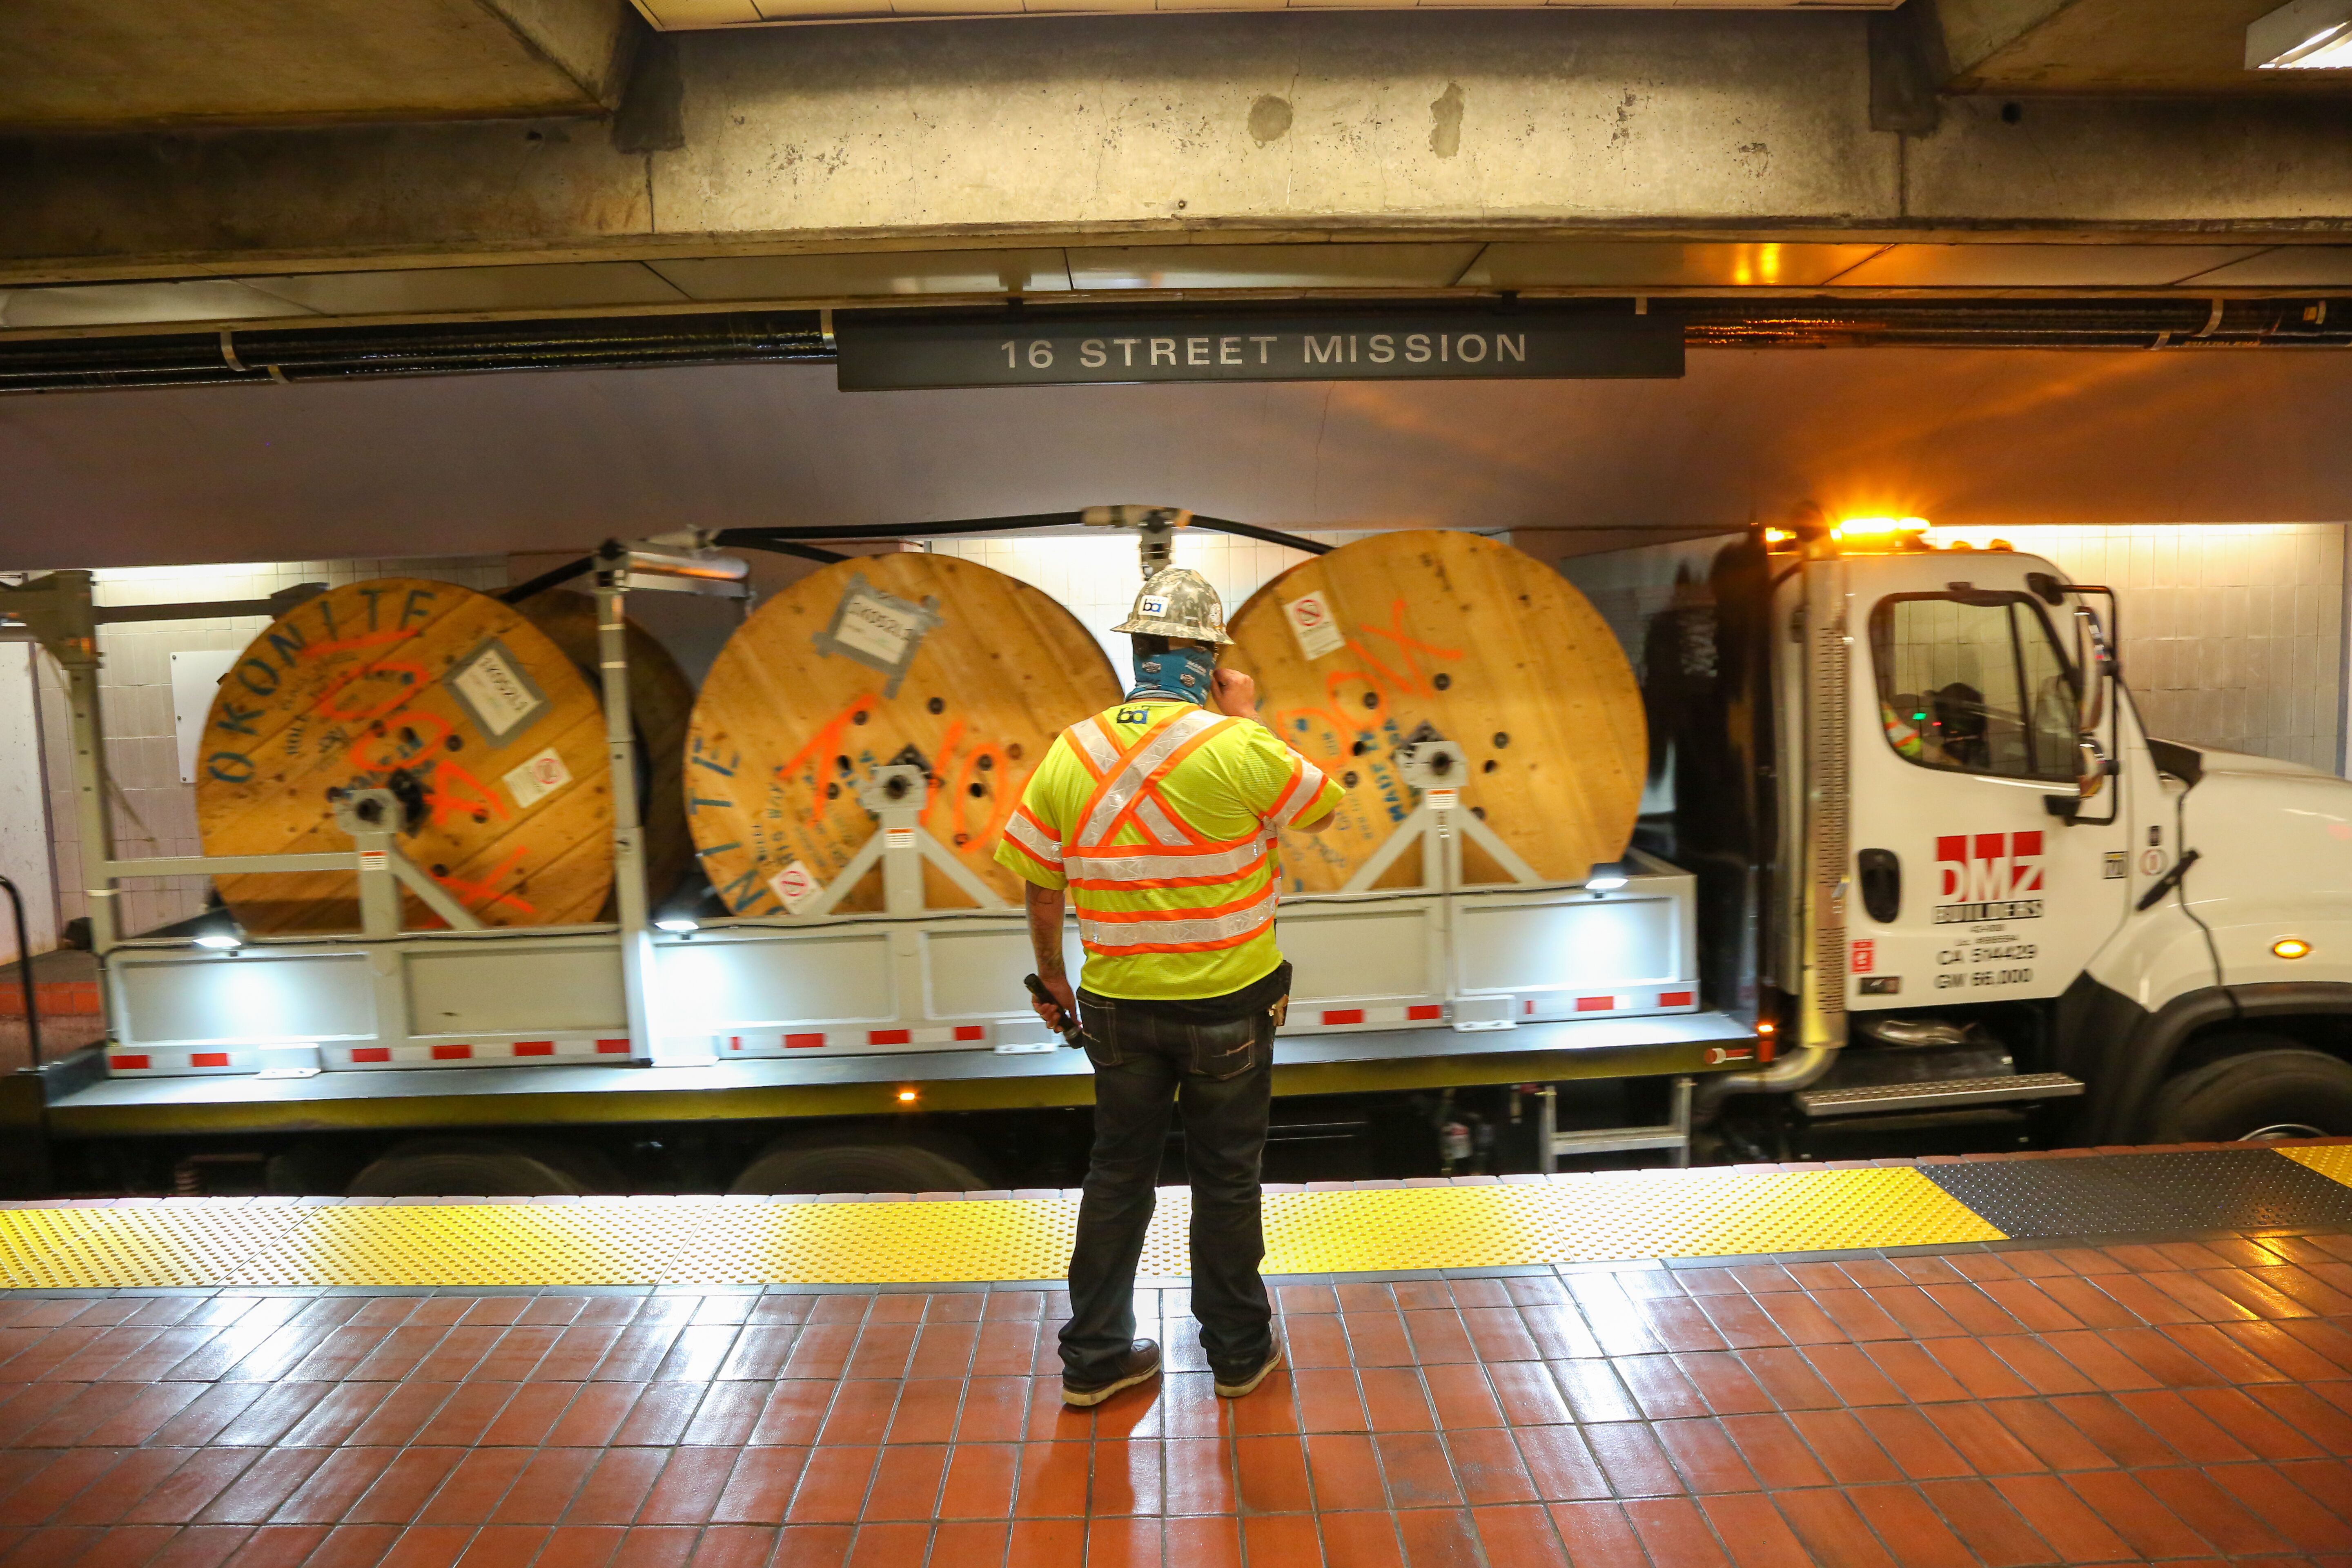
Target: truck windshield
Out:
[1973,683]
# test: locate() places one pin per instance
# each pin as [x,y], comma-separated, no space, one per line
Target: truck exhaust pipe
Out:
[1818,1032]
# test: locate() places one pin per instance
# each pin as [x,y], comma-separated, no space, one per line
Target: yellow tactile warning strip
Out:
[2333,1160]
[687,1241]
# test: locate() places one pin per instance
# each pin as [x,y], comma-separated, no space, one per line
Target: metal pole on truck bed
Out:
[628,834]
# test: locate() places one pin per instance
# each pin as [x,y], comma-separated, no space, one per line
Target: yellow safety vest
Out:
[1159,818]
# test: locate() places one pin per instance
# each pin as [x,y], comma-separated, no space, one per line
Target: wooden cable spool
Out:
[1434,633]
[455,702]
[661,703]
[915,658]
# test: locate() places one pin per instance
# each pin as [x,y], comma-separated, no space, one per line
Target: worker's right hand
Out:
[1235,694]
[1058,987]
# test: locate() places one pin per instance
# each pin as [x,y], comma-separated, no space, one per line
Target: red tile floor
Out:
[2180,1401]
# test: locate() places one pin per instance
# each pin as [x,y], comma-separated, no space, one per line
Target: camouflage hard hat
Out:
[1177,601]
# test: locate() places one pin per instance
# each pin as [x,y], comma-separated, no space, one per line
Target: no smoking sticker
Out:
[795,887]
[1317,628]
[537,779]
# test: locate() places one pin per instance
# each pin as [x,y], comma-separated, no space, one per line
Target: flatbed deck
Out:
[1348,1063]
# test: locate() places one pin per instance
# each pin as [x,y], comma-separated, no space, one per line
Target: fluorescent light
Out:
[1604,884]
[2308,35]
[220,940]
[679,924]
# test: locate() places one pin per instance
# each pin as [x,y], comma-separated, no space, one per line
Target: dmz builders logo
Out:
[1982,877]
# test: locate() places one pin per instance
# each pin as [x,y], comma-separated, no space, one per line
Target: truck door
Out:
[1966,888]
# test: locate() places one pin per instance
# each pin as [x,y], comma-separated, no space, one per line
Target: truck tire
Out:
[462,1167]
[2276,1093]
[856,1168]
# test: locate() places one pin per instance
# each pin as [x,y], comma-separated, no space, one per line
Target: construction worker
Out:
[1156,818]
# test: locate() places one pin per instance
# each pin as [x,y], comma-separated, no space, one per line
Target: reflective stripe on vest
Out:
[1184,871]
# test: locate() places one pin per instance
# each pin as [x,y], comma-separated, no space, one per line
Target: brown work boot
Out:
[1140,1362]
[1236,1387]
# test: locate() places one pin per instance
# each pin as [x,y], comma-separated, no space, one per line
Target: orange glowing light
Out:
[906,1097]
[2291,947]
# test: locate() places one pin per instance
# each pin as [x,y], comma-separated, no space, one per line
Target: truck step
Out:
[1873,1099]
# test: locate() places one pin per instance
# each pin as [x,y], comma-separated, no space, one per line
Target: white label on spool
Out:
[1318,628]
[500,695]
[795,887]
[1443,799]
[874,625]
[898,839]
[374,860]
[537,779]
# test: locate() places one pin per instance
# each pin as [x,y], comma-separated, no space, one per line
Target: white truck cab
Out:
[1983,880]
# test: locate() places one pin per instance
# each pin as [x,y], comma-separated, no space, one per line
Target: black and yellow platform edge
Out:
[1470,1224]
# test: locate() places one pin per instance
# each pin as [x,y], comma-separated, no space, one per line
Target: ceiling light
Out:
[2308,35]
[906,1097]
[676,924]
[2291,947]
[1604,884]
[220,940]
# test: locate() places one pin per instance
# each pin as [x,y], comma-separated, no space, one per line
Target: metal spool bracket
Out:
[1435,769]
[896,795]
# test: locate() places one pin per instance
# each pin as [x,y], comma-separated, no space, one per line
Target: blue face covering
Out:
[1181,672]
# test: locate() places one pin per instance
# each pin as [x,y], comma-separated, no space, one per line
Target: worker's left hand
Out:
[1235,694]
[1058,987]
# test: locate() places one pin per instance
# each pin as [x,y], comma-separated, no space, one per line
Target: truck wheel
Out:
[2280,1094]
[462,1167]
[856,1168]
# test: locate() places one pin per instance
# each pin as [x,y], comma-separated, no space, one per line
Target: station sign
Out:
[886,355]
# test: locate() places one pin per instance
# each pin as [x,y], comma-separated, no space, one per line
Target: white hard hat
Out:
[1177,601]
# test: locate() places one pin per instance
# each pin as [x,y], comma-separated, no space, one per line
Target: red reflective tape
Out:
[1674,998]
[371,1053]
[612,1047]
[799,1042]
[734,1042]
[970,1032]
[1531,1005]
[1595,1004]
[127,1064]
[1431,1010]
[889,1036]
[534,1047]
[1343,1016]
[208,1058]
[452,1052]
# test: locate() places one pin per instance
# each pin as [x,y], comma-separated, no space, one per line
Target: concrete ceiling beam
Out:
[1094,132]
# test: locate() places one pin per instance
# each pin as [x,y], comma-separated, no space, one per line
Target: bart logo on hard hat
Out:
[1177,601]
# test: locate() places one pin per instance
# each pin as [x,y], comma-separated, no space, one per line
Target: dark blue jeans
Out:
[1217,1077]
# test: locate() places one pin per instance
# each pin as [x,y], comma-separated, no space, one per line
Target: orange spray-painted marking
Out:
[482,895]
[827,737]
[941,784]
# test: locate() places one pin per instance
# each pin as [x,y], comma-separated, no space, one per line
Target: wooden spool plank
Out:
[790,727]
[423,687]
[1356,651]
[661,704]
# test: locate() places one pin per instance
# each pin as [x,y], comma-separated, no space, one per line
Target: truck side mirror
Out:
[2095,661]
